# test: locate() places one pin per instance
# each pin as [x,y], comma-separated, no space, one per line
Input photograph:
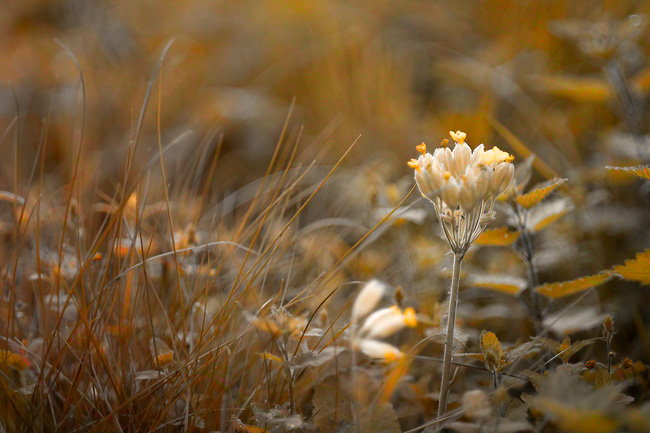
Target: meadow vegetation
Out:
[219,216]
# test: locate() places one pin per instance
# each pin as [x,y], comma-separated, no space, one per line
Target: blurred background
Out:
[392,73]
[565,80]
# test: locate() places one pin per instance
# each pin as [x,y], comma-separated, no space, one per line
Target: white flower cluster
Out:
[462,185]
[380,324]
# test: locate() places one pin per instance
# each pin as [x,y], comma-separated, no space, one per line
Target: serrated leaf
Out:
[566,288]
[500,236]
[508,284]
[641,170]
[539,193]
[547,213]
[637,269]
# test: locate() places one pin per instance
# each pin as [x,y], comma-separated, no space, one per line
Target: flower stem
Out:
[449,343]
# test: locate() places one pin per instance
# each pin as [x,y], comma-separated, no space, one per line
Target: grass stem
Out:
[449,343]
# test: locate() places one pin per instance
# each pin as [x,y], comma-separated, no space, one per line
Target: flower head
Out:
[462,184]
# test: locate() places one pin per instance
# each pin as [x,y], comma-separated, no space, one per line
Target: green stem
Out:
[449,343]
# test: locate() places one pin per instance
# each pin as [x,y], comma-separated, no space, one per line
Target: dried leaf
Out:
[316,359]
[333,399]
[516,353]
[160,352]
[539,193]
[547,213]
[641,170]
[576,320]
[500,236]
[509,284]
[637,269]
[566,288]
[575,406]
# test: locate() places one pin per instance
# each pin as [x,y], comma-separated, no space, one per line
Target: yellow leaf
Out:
[508,284]
[581,89]
[566,288]
[161,353]
[491,350]
[540,192]
[637,269]
[641,170]
[13,360]
[577,420]
[500,236]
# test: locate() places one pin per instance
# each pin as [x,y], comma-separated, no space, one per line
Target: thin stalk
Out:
[449,343]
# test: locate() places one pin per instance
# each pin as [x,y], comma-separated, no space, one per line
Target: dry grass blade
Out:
[500,236]
[637,269]
[566,288]
[539,193]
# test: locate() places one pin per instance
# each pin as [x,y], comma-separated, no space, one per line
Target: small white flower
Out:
[367,299]
[462,185]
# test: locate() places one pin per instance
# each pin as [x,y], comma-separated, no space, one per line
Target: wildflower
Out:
[367,299]
[380,350]
[462,185]
[386,322]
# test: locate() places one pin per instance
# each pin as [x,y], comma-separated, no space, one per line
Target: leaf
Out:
[539,193]
[500,236]
[637,269]
[577,320]
[332,401]
[566,288]
[547,213]
[574,406]
[492,351]
[641,170]
[581,89]
[516,353]
[160,352]
[508,284]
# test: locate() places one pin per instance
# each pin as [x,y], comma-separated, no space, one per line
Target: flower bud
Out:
[379,350]
[367,299]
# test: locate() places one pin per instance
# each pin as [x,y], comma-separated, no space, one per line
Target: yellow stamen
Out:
[496,156]
[413,163]
[458,136]
[446,175]
[410,318]
[422,148]
[391,356]
[444,143]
